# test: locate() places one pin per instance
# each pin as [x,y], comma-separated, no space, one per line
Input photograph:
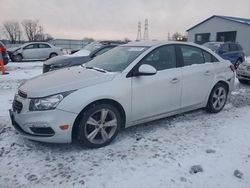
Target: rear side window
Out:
[191,55]
[209,57]
[225,48]
[161,58]
[31,46]
[44,46]
[233,47]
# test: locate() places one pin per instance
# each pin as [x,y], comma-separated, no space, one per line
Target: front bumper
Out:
[44,126]
[243,74]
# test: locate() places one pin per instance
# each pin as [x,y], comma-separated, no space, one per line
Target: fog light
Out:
[64,127]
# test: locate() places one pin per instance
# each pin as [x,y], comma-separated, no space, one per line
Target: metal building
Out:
[223,29]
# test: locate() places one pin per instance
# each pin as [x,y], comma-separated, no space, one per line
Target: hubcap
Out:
[101,126]
[219,98]
[18,58]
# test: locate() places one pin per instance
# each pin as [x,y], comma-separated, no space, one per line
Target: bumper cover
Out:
[24,123]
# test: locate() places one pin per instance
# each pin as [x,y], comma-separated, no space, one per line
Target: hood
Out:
[246,62]
[63,80]
[65,59]
[13,49]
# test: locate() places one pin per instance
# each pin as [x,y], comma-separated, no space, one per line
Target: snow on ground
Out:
[152,155]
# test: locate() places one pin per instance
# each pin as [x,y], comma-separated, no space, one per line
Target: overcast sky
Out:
[117,19]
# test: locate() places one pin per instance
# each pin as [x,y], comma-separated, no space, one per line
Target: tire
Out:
[243,81]
[17,58]
[98,133]
[238,62]
[217,98]
[53,55]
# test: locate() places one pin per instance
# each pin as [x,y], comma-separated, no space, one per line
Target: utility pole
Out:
[138,38]
[145,36]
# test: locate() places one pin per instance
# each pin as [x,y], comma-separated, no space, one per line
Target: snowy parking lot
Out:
[195,149]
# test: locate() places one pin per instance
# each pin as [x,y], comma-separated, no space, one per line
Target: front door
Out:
[160,93]
[30,51]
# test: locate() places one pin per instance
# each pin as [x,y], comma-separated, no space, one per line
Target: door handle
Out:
[174,80]
[207,73]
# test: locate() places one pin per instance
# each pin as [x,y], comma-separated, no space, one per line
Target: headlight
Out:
[47,103]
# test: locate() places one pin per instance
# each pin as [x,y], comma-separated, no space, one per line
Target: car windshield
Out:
[117,59]
[212,46]
[88,49]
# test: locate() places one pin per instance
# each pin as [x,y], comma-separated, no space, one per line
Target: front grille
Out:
[46,68]
[17,106]
[22,94]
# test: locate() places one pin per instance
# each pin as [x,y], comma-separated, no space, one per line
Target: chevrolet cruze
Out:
[131,84]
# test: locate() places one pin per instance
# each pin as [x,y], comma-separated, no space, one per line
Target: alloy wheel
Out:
[101,126]
[219,98]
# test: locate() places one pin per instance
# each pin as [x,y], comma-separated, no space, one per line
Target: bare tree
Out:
[179,37]
[32,29]
[12,31]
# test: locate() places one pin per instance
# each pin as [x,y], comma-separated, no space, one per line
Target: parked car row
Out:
[82,56]
[34,51]
[130,84]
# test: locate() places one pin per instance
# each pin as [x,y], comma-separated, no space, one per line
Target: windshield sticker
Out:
[136,49]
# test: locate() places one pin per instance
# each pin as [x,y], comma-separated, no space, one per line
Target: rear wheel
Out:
[52,55]
[18,58]
[243,81]
[99,125]
[217,99]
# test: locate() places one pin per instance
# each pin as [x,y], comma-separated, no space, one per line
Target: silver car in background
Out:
[34,51]
[243,72]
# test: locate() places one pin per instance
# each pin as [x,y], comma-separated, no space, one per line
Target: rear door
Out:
[159,93]
[44,51]
[197,75]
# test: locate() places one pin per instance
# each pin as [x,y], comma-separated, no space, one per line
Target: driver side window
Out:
[161,58]
[31,46]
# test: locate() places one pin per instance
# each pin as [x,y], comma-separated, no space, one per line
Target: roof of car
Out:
[36,43]
[150,43]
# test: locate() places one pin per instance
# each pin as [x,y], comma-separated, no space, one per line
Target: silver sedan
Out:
[243,72]
[34,51]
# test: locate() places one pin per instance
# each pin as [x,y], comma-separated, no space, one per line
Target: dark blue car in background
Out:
[228,50]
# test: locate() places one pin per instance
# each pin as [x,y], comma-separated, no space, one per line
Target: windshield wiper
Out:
[95,68]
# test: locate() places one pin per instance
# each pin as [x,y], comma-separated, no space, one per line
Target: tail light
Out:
[232,67]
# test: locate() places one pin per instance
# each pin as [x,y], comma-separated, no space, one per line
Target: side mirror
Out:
[146,70]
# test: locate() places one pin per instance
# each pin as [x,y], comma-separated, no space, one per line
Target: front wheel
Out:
[217,99]
[99,125]
[18,58]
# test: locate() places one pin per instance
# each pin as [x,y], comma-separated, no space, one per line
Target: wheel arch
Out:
[100,101]
[52,54]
